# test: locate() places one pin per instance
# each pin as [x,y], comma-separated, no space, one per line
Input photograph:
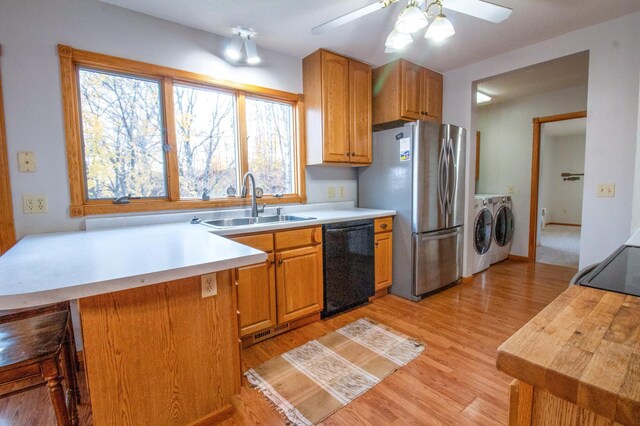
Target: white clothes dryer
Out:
[482,234]
[503,227]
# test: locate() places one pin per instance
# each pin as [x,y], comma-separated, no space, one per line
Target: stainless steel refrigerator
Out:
[418,170]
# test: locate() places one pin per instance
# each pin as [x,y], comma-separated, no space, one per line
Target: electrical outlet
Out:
[331,193]
[606,190]
[510,189]
[209,285]
[26,162]
[34,204]
[341,190]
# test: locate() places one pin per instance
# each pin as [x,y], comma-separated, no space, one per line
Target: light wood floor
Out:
[454,381]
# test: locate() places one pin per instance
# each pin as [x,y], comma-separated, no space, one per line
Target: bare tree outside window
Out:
[270,144]
[122,135]
[207,138]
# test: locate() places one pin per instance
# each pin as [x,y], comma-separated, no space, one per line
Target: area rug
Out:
[312,381]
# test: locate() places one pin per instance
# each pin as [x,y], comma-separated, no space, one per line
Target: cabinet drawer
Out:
[262,242]
[298,238]
[383,224]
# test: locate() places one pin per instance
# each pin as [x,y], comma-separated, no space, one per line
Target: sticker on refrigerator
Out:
[405,149]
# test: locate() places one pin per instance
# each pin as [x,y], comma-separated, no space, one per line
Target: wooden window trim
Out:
[7,229]
[71,59]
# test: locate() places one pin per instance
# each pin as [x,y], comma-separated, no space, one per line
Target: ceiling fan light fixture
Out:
[411,19]
[397,41]
[440,29]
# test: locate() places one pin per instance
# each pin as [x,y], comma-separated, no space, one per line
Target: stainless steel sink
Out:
[244,221]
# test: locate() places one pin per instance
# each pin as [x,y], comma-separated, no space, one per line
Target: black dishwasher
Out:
[349,268]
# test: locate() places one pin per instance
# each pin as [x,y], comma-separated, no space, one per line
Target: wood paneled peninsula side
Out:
[157,350]
[577,362]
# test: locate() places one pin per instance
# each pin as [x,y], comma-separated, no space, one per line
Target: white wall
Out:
[562,198]
[506,141]
[614,62]
[635,221]
[29,33]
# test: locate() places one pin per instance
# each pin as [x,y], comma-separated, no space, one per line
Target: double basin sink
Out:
[244,221]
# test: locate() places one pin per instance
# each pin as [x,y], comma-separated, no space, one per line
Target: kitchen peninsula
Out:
[156,351]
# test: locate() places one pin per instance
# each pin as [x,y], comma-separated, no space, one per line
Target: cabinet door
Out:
[360,112]
[257,296]
[412,97]
[384,260]
[433,95]
[299,282]
[335,106]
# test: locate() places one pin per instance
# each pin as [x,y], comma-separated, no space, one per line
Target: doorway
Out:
[557,177]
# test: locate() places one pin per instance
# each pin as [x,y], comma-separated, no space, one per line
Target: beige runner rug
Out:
[312,381]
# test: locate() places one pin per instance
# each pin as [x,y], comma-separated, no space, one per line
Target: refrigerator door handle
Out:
[452,168]
[439,237]
[442,173]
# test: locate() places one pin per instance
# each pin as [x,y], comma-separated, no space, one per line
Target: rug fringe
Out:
[293,416]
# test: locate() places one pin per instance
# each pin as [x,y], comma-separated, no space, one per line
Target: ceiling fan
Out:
[415,17]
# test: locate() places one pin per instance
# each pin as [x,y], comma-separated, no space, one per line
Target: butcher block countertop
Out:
[585,348]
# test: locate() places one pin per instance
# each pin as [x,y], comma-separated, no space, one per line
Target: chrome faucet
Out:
[243,193]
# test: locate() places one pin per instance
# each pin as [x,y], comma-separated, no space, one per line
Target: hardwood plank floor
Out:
[454,381]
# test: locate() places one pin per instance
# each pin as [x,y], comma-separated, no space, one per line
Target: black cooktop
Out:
[620,272]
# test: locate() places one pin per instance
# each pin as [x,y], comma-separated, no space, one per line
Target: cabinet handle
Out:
[383,226]
[280,262]
[273,262]
[353,154]
[377,244]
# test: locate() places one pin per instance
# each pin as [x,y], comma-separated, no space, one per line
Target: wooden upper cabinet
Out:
[337,96]
[404,91]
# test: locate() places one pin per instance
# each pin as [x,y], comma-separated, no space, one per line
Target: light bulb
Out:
[411,19]
[397,41]
[440,29]
[232,52]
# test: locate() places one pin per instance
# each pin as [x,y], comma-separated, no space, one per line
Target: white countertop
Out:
[49,268]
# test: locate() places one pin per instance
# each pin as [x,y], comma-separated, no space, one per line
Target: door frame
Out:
[7,229]
[535,174]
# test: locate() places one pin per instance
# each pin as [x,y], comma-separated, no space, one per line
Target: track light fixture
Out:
[413,19]
[242,36]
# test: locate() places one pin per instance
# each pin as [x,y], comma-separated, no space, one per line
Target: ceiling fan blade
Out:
[351,16]
[479,9]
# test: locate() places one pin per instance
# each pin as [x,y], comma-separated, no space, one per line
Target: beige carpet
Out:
[312,381]
[559,245]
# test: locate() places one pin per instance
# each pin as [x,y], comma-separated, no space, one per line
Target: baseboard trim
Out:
[565,224]
[212,418]
[519,258]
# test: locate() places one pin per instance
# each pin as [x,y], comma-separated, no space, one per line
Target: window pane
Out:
[206,138]
[270,145]
[122,135]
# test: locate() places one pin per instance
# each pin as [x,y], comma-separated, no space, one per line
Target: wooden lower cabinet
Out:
[257,296]
[299,282]
[286,288]
[383,260]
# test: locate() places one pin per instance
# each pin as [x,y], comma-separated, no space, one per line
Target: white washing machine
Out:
[503,226]
[482,234]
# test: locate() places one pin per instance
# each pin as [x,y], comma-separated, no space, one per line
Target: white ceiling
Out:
[577,126]
[568,71]
[285,26]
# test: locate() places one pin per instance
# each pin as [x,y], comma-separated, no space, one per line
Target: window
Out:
[165,137]
[122,136]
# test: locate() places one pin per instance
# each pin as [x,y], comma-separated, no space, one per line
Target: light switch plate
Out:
[606,190]
[26,161]
[510,189]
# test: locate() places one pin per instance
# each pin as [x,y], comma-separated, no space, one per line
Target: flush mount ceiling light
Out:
[482,98]
[242,36]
